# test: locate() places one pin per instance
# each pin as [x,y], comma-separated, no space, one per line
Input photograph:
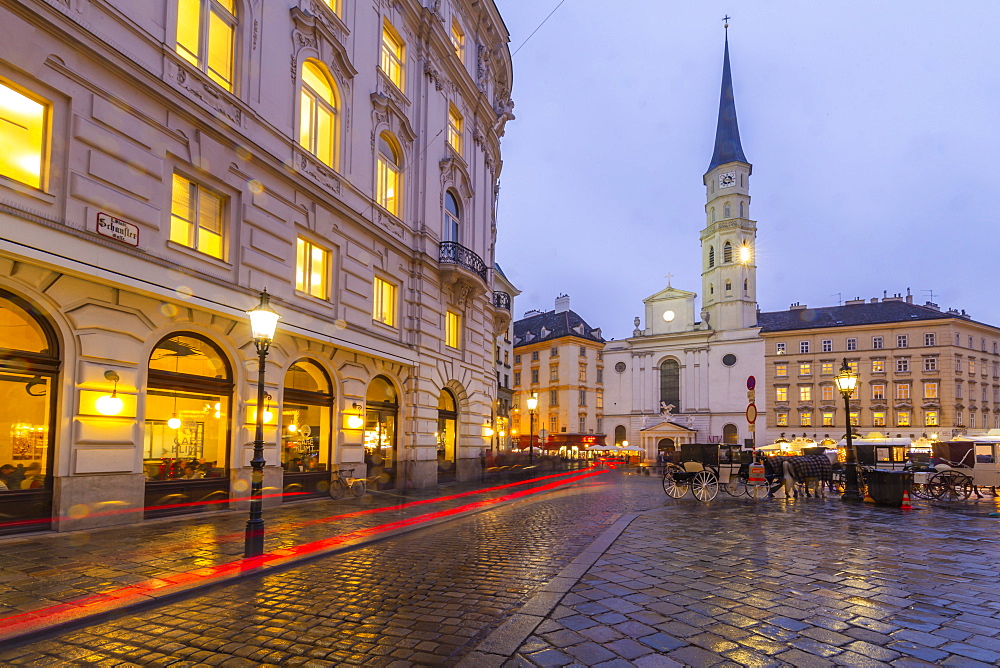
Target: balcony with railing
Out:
[501,300]
[462,271]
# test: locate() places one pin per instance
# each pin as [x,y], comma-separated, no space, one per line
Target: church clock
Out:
[727,179]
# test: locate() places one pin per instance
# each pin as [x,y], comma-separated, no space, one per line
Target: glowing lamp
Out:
[110,404]
[846,381]
[488,429]
[267,415]
[745,254]
[533,402]
[293,428]
[174,422]
[263,321]
[355,422]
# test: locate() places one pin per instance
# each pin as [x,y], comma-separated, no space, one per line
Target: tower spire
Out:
[727,133]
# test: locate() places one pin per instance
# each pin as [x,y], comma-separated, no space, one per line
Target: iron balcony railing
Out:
[501,300]
[453,252]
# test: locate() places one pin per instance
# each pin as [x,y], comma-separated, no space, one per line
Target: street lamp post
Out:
[263,321]
[847,382]
[532,405]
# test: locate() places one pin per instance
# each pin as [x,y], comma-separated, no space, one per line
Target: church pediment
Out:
[670,294]
[667,429]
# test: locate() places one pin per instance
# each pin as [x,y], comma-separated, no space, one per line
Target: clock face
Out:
[668,316]
[728,179]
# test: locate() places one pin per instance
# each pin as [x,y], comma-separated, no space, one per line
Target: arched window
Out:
[206,35]
[670,384]
[741,210]
[711,256]
[387,178]
[318,116]
[726,211]
[381,410]
[447,435]
[452,217]
[730,434]
[729,286]
[711,288]
[619,434]
[713,214]
[190,389]
[727,253]
[29,360]
[306,429]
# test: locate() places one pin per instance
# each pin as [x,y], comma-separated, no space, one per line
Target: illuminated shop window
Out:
[22,137]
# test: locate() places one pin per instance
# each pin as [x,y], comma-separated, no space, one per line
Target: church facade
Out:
[682,375]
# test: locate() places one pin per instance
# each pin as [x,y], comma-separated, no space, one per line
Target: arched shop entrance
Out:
[29,365]
[306,418]
[447,436]
[186,432]
[381,411]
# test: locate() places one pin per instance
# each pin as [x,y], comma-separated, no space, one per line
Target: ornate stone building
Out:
[166,160]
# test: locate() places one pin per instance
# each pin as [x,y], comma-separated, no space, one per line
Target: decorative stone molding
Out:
[320,173]
[209,94]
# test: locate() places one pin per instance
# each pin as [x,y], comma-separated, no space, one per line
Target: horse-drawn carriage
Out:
[704,468]
[962,469]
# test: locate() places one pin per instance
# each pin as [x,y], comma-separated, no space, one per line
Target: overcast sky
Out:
[871,127]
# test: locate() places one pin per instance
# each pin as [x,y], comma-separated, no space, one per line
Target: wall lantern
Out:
[110,404]
[355,421]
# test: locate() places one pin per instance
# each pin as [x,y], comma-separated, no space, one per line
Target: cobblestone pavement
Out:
[800,583]
[42,570]
[425,598]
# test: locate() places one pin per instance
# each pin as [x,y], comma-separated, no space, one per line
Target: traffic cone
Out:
[868,497]
[906,501]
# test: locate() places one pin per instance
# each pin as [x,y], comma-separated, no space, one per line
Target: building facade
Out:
[504,294]
[682,375]
[559,358]
[923,372]
[164,162]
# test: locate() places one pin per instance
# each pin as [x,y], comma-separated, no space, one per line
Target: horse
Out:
[809,470]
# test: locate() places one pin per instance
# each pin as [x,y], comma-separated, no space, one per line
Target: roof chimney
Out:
[562,303]
[797,307]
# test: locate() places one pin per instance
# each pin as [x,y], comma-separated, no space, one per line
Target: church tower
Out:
[729,272]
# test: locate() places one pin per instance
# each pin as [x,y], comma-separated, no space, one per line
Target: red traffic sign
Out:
[751,413]
[751,382]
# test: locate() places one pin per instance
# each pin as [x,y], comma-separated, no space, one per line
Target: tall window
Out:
[534,376]
[387,175]
[827,368]
[582,375]
[730,434]
[781,394]
[878,418]
[805,393]
[196,217]
[454,129]
[29,358]
[384,302]
[931,418]
[312,269]
[805,369]
[878,366]
[583,398]
[827,419]
[206,31]
[670,383]
[902,365]
[903,391]
[22,136]
[781,419]
[711,255]
[827,392]
[452,329]
[727,249]
[878,391]
[903,418]
[187,409]
[553,397]
[805,419]
[780,369]
[582,424]
[392,57]
[452,218]
[306,413]
[553,374]
[458,39]
[318,113]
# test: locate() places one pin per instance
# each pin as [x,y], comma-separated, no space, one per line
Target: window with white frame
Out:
[206,34]
[876,342]
[805,369]
[454,129]
[458,39]
[392,55]
[930,390]
[452,329]
[827,345]
[827,392]
[553,397]
[902,365]
[780,369]
[318,113]
[878,418]
[384,302]
[452,218]
[930,364]
[931,418]
[903,391]
[388,174]
[972,365]
[553,373]
[582,398]
[779,348]
[805,393]
[781,419]
[852,343]
[196,217]
[781,394]
[599,401]
[902,418]
[803,347]
[553,424]
[878,366]
[878,391]
[828,419]
[930,339]
[902,340]
[312,268]
[582,424]
[826,368]
[23,136]
[805,419]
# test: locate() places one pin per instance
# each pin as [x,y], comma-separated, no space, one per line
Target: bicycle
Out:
[344,481]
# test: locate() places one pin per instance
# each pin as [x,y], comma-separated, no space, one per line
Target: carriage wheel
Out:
[735,487]
[922,490]
[704,485]
[950,485]
[673,485]
[757,491]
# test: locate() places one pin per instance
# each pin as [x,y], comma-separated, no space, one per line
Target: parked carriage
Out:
[963,468]
[704,468]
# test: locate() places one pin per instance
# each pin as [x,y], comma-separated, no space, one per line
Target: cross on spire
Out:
[668,277]
[725,22]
